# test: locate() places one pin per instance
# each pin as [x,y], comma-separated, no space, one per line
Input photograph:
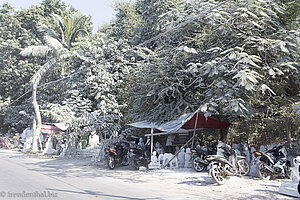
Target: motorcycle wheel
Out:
[197,166]
[126,160]
[244,164]
[288,173]
[139,163]
[216,173]
[111,162]
[136,164]
[262,172]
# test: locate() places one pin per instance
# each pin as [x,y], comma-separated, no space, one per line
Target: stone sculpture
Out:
[187,158]
[49,147]
[181,158]
[292,187]
[167,157]
[154,164]
[93,141]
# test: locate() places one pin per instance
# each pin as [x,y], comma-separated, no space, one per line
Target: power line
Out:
[132,48]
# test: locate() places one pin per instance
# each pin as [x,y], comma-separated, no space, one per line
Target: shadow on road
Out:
[100,194]
[196,182]
[84,168]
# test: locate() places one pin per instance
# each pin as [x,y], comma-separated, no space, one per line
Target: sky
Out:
[101,10]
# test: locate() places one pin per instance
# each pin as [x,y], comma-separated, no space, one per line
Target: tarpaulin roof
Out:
[48,129]
[61,126]
[56,128]
[186,122]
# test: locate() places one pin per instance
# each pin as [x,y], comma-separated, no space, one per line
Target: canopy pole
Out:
[196,121]
[151,141]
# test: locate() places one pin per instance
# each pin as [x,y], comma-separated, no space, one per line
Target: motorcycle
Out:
[117,155]
[140,156]
[198,156]
[6,142]
[220,167]
[272,163]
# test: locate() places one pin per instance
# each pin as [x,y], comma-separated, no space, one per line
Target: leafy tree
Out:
[52,51]
[227,58]
[15,71]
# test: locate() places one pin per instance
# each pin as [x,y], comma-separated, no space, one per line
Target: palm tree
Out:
[70,26]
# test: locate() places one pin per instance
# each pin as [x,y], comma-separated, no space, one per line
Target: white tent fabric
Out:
[61,126]
[168,127]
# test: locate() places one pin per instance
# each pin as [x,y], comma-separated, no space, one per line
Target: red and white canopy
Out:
[185,122]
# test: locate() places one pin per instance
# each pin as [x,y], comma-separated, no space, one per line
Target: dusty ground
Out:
[79,179]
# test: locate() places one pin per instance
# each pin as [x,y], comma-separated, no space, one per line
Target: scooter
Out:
[221,167]
[117,155]
[273,163]
[140,156]
[199,162]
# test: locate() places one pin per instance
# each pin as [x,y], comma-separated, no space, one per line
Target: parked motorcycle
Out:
[6,142]
[117,155]
[199,162]
[140,156]
[273,163]
[220,167]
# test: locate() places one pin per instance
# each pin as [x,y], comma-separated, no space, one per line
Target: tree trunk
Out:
[223,135]
[37,121]
[288,132]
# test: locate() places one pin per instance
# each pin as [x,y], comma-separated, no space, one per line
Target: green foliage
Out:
[226,62]
[126,23]
[156,60]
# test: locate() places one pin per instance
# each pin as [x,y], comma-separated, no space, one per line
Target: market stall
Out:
[190,122]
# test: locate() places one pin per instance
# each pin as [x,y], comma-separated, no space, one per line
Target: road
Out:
[30,177]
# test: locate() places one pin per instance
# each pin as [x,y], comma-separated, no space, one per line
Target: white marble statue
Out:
[160,159]
[247,152]
[27,138]
[252,150]
[262,148]
[220,151]
[253,170]
[181,156]
[187,158]
[141,143]
[93,141]
[64,147]
[49,147]
[154,164]
[166,158]
[292,187]
[295,174]
[235,147]
[170,140]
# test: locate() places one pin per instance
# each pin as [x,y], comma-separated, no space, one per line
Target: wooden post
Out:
[151,141]
[178,151]
[195,126]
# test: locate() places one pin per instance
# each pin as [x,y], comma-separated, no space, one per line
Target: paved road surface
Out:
[22,175]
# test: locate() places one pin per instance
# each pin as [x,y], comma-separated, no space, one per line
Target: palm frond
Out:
[60,24]
[74,24]
[53,43]
[46,30]
[36,51]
